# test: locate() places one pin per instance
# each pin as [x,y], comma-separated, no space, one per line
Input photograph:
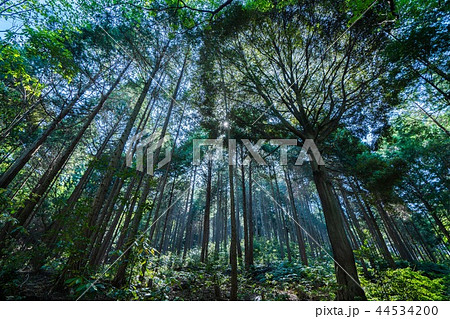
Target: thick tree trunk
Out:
[346,273]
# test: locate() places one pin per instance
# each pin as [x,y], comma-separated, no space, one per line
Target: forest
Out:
[224,150]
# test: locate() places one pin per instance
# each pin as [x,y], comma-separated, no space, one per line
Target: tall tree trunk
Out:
[245,217]
[218,218]
[25,215]
[7,177]
[278,228]
[393,233]
[233,242]
[346,273]
[373,226]
[190,217]
[300,241]
[119,279]
[99,233]
[250,217]
[238,221]
[116,157]
[355,222]
[204,252]
[107,240]
[166,219]
[66,209]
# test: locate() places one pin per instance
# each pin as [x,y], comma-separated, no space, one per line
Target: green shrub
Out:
[404,284]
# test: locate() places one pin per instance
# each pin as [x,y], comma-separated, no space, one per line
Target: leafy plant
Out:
[404,284]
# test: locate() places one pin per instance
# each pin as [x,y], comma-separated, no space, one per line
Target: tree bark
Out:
[25,215]
[205,242]
[346,273]
[250,217]
[7,177]
[233,241]
[400,245]
[300,241]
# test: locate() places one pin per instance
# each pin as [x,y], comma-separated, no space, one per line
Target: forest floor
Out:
[194,281]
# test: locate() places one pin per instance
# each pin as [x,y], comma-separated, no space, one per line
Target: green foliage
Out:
[51,46]
[404,284]
[80,284]
[10,206]
[14,69]
[417,52]
[288,281]
[359,8]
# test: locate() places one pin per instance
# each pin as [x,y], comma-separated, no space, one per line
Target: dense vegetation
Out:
[87,84]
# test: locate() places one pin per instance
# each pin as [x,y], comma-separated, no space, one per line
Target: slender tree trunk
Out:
[427,248]
[277,225]
[218,218]
[300,241]
[99,233]
[238,221]
[373,227]
[204,252]
[403,251]
[250,217]
[355,221]
[68,206]
[107,240]
[431,211]
[245,217]
[119,279]
[283,220]
[25,215]
[161,244]
[190,217]
[23,159]
[233,242]
[116,157]
[5,133]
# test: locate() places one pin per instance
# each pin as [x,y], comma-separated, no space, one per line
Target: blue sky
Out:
[4,25]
